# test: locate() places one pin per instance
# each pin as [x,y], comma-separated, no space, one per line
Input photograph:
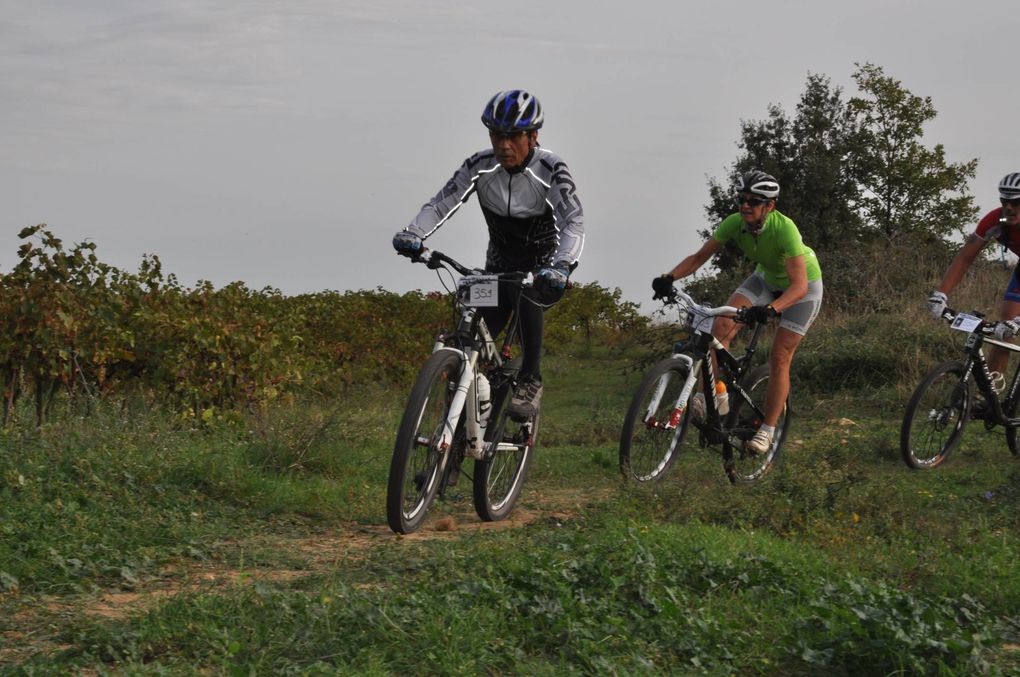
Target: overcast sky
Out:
[283,143]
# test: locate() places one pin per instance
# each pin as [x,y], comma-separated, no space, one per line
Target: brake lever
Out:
[432,263]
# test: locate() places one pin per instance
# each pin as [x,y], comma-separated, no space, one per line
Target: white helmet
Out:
[759,183]
[1009,187]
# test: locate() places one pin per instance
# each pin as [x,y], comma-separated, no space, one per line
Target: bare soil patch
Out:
[324,550]
[319,553]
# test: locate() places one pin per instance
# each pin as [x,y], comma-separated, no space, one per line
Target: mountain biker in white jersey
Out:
[1003,225]
[535,223]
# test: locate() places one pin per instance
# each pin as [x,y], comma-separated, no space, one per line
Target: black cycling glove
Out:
[760,314]
[662,286]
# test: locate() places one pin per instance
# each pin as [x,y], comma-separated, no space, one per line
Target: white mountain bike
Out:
[458,409]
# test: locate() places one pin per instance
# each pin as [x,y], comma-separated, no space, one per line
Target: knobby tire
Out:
[650,444]
[744,467]
[415,467]
[936,417]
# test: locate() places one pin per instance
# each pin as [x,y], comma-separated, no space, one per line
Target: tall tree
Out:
[812,155]
[852,170]
[906,187]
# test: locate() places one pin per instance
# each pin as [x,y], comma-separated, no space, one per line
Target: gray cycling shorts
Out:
[798,317]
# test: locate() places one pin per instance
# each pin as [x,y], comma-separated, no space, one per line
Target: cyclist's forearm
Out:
[957,269]
[690,265]
[961,264]
[686,267]
[790,296]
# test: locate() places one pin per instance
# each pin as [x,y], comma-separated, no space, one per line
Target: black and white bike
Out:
[659,426]
[458,410]
[944,401]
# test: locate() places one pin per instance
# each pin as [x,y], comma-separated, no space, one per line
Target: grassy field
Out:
[131,542]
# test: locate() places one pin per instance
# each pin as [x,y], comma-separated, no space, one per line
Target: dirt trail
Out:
[320,552]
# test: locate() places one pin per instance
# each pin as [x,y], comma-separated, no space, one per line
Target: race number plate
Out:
[965,322]
[479,291]
[701,322]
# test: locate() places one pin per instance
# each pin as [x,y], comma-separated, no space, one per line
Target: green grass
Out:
[258,545]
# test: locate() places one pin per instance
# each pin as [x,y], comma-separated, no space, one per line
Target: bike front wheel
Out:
[416,467]
[654,428]
[743,466]
[936,417]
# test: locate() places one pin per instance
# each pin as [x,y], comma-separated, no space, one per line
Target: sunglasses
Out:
[506,135]
[752,201]
[1015,202]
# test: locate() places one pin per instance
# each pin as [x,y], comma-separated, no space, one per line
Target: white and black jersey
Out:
[533,212]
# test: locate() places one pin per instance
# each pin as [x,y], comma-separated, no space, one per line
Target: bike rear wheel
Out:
[499,476]
[936,417]
[654,428]
[742,466]
[416,468]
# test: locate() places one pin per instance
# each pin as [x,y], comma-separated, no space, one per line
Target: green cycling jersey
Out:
[777,241]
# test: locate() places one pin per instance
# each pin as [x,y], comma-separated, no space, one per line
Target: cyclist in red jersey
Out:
[1002,224]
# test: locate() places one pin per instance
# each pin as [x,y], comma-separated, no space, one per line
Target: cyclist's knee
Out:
[781,355]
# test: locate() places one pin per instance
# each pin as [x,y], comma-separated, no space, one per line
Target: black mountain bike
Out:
[659,421]
[944,401]
[458,409]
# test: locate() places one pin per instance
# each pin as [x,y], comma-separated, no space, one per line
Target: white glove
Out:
[1007,329]
[936,304]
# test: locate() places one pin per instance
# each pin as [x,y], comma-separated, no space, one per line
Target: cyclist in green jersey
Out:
[786,283]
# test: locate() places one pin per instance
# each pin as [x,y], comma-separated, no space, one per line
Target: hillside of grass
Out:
[135,543]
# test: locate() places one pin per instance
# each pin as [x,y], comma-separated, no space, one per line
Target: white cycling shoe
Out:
[760,443]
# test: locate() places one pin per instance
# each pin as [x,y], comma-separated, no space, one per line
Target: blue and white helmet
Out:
[1009,187]
[513,110]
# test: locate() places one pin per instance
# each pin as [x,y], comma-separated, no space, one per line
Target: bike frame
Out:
[977,366]
[481,349]
[700,365]
[476,346]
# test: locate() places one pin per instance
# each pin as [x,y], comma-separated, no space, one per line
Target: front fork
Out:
[464,396]
[693,370]
[677,412]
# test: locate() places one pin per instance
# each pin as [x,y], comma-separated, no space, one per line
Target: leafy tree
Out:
[812,156]
[595,315]
[852,169]
[906,187]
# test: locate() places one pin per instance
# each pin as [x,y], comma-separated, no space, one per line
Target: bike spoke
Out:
[742,465]
[935,418]
[417,464]
[654,428]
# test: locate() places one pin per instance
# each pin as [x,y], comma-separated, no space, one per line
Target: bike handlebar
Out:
[435,259]
[984,327]
[728,311]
